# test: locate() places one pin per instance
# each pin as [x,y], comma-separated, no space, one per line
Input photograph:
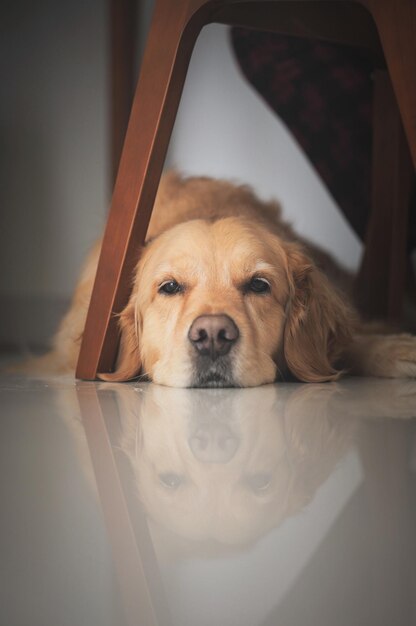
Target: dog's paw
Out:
[397,354]
[386,356]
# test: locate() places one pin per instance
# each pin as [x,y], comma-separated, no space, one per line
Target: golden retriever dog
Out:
[226,294]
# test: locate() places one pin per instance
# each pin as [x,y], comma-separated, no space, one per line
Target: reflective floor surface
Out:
[282,505]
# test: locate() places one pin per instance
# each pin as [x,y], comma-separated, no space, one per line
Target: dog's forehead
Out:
[235,243]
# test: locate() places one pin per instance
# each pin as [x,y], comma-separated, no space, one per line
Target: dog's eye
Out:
[258,482]
[170,287]
[171,480]
[258,285]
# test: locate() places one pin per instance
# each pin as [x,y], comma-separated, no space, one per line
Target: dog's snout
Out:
[214,443]
[213,335]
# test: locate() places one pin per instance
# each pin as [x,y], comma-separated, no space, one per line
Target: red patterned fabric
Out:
[323,93]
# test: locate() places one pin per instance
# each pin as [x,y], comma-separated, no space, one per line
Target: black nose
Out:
[213,335]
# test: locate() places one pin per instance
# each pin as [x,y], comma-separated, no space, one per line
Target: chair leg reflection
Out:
[133,554]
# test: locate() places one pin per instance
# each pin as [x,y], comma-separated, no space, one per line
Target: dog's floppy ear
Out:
[128,363]
[318,324]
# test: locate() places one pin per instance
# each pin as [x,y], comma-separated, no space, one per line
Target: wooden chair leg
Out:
[174,30]
[396,24]
[381,281]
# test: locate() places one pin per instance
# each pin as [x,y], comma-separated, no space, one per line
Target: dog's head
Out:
[228,303]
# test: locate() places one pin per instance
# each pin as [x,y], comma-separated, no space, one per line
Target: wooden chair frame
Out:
[174,30]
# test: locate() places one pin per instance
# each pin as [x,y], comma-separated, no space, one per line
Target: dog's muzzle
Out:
[213,337]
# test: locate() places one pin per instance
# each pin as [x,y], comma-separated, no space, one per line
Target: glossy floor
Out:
[138,504]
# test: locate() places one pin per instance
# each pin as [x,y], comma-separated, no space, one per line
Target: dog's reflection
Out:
[219,468]
[226,466]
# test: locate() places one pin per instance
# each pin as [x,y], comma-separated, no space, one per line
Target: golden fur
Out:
[213,238]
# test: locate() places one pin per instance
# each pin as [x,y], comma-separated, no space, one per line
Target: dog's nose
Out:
[213,335]
[214,443]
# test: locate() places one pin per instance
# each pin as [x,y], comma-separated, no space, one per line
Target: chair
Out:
[174,30]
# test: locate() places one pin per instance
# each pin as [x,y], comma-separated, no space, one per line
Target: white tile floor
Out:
[286,504]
